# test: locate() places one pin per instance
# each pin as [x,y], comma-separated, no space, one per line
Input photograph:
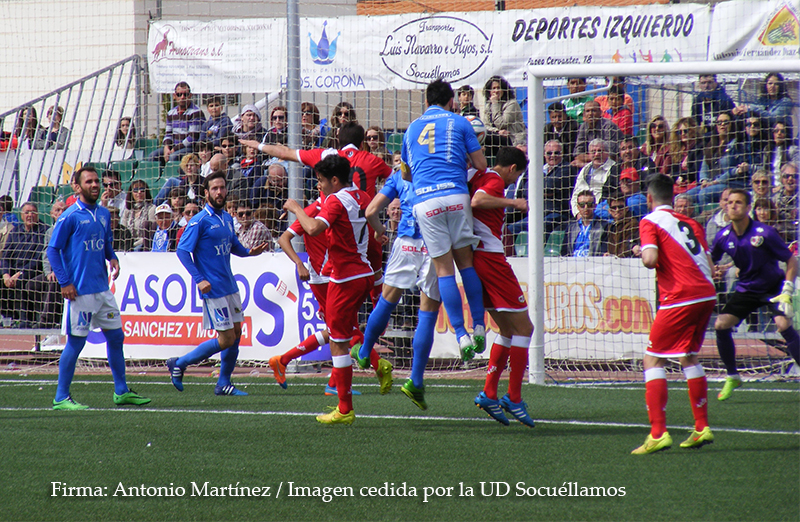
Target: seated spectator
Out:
[774,104]
[719,217]
[623,231]
[27,131]
[627,100]
[782,148]
[576,106]
[786,198]
[57,134]
[760,184]
[229,148]
[630,157]
[248,124]
[140,213]
[465,106]
[561,128]
[231,204]
[7,219]
[502,116]
[657,145]
[250,170]
[123,239]
[205,151]
[559,179]
[184,121]
[270,192]
[343,113]
[756,141]
[277,131]
[164,238]
[177,202]
[724,162]
[600,175]
[218,123]
[684,205]
[21,262]
[375,142]
[595,127]
[312,127]
[189,211]
[45,290]
[125,137]
[619,113]
[685,155]
[190,181]
[251,232]
[113,195]
[630,187]
[585,235]
[709,103]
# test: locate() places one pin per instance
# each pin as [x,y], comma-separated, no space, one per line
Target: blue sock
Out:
[203,351]
[376,324]
[727,350]
[116,359]
[66,365]
[792,343]
[227,364]
[451,299]
[423,341]
[473,289]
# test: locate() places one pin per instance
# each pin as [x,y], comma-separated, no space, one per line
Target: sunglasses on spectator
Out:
[723,123]
[373,137]
[584,205]
[279,117]
[790,176]
[683,131]
[657,126]
[112,184]
[226,146]
[616,207]
[552,153]
[182,94]
[344,113]
[782,131]
[244,213]
[760,182]
[138,189]
[189,212]
[752,124]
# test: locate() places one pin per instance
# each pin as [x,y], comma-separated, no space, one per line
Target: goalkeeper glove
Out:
[784,300]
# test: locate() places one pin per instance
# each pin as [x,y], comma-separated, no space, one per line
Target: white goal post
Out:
[536,122]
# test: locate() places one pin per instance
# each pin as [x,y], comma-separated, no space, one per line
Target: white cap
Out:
[164,207]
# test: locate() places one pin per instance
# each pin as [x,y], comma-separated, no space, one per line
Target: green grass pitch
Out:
[195,456]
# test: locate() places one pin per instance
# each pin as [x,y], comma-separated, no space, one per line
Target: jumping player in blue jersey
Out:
[81,243]
[436,148]
[205,250]
[756,249]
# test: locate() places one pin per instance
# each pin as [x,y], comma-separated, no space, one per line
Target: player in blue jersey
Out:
[79,247]
[409,265]
[205,250]
[756,249]
[436,148]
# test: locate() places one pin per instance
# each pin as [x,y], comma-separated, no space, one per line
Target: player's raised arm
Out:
[285,242]
[312,226]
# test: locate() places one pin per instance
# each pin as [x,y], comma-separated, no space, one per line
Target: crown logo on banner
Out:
[323,52]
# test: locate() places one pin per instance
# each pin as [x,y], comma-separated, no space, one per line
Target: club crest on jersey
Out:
[110,315]
[103,221]
[757,241]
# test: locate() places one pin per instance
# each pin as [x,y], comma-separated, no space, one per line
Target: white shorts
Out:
[220,313]
[90,311]
[446,223]
[410,265]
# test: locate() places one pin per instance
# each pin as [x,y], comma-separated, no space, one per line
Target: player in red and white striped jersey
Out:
[676,247]
[502,295]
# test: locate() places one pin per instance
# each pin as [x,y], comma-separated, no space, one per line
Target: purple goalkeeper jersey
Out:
[756,254]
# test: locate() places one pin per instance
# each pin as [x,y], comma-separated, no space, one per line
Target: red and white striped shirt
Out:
[488,222]
[348,234]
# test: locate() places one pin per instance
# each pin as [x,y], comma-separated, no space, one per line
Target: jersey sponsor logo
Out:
[111,315]
[442,210]
[730,245]
[93,245]
[85,222]
[223,250]
[414,250]
[757,241]
[434,188]
[221,314]
[212,227]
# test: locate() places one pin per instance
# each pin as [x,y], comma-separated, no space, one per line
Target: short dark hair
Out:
[6,203]
[507,156]
[557,107]
[586,192]
[217,174]
[747,198]
[617,89]
[30,204]
[334,166]
[660,187]
[466,88]
[205,145]
[244,203]
[182,84]
[230,137]
[439,92]
[351,133]
[616,196]
[214,98]
[111,174]
[177,192]
[80,171]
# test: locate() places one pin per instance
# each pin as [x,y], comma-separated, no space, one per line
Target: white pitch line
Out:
[405,417]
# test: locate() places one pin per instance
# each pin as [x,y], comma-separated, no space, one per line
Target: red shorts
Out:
[679,331]
[346,299]
[320,292]
[501,290]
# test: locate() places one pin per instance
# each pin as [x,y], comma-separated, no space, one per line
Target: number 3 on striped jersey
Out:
[426,137]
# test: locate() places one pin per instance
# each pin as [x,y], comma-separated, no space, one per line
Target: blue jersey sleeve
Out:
[109,240]
[392,189]
[238,249]
[470,139]
[58,241]
[186,247]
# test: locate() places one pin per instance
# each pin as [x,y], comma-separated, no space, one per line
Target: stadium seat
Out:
[394,142]
[521,244]
[149,172]
[125,168]
[148,145]
[64,191]
[42,195]
[172,170]
[99,166]
[554,242]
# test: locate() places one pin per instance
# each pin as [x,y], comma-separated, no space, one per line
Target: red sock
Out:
[656,398]
[698,395]
[332,381]
[308,345]
[373,359]
[498,357]
[375,294]
[517,366]
[344,382]
[358,337]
